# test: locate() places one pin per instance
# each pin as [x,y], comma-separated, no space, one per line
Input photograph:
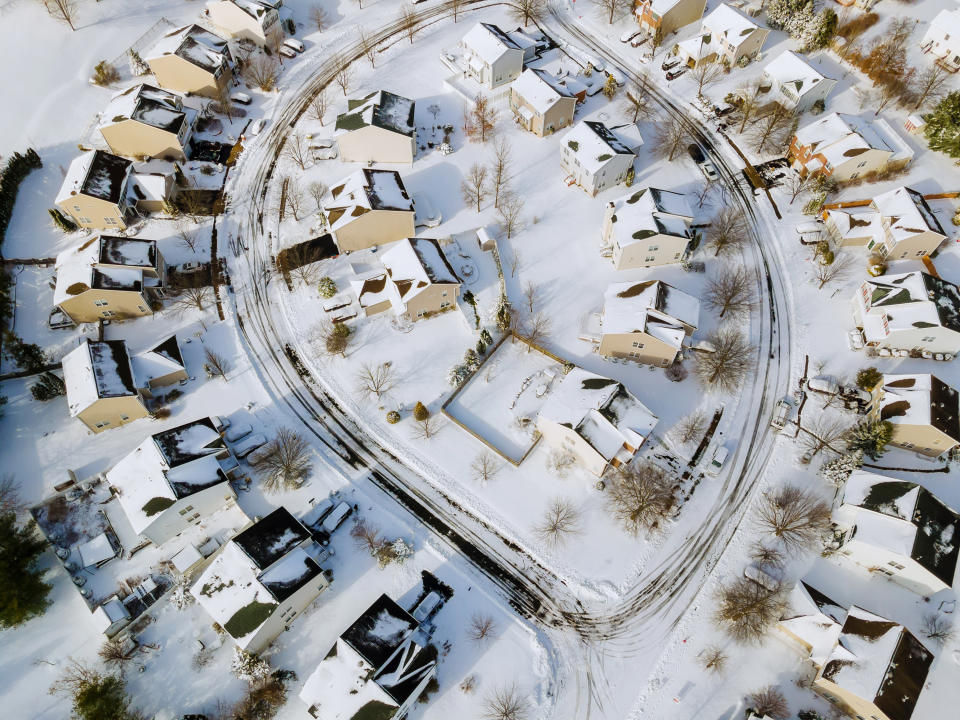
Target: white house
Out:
[253,20]
[812,622]
[491,56]
[913,312]
[261,580]
[378,128]
[726,36]
[794,83]
[942,39]
[646,228]
[593,157]
[174,479]
[898,529]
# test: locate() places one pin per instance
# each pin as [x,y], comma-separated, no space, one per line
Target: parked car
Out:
[668,64]
[220,422]
[719,458]
[724,109]
[335,517]
[249,444]
[237,432]
[674,74]
[629,35]
[824,385]
[241,98]
[261,454]
[762,577]
[287,51]
[781,413]
[321,153]
[424,212]
[294,44]
[703,162]
[257,126]
[639,40]
[189,268]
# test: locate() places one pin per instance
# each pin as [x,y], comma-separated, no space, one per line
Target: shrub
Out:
[105,74]
[62,221]
[868,378]
[327,287]
[420,412]
[393,417]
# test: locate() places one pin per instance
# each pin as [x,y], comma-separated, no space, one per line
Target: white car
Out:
[294,44]
[257,126]
[241,98]
[249,444]
[629,35]
[719,458]
[424,213]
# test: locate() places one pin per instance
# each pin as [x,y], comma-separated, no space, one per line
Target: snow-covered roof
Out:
[104,262]
[920,400]
[660,7]
[414,264]
[594,144]
[839,137]
[97,370]
[539,89]
[906,213]
[729,24]
[363,191]
[380,109]
[907,301]
[813,618]
[98,174]
[904,518]
[880,661]
[650,306]
[488,42]
[149,105]
[648,212]
[944,28]
[194,44]
[257,9]
[157,362]
[602,411]
[788,68]
[167,467]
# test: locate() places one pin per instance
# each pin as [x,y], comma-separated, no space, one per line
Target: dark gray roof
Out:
[501,35]
[111,368]
[379,630]
[946,297]
[944,408]
[184,444]
[271,538]
[105,176]
[130,252]
[612,141]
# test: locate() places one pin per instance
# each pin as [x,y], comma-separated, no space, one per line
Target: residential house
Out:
[378,128]
[109,277]
[491,57]
[255,20]
[898,529]
[174,479]
[646,228]
[877,669]
[261,580]
[845,147]
[159,366]
[594,157]
[795,84]
[379,667]
[897,224]
[101,390]
[923,411]
[913,312]
[147,121]
[726,36]
[596,419]
[96,191]
[942,39]
[191,60]
[664,17]
[541,104]
[154,184]
[370,207]
[812,623]
[645,322]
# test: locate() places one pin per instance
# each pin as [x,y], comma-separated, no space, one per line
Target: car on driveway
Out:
[630,35]
[668,64]
[719,458]
[674,74]
[703,162]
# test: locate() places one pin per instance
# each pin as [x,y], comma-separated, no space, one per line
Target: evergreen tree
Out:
[837,471]
[138,67]
[457,374]
[610,87]
[48,387]
[27,356]
[486,337]
[869,437]
[327,287]
[471,359]
[62,221]
[420,412]
[868,378]
[943,125]
[23,593]
[102,698]
[504,314]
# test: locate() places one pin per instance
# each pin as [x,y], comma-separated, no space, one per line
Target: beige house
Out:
[159,366]
[595,419]
[96,191]
[896,225]
[146,121]
[645,322]
[812,623]
[109,277]
[191,60]
[255,20]
[174,479]
[260,581]
[845,147]
[490,56]
[101,390]
[663,17]
[726,36]
[370,207]
[913,312]
[594,157]
[378,128]
[647,228]
[541,104]
[923,411]
[899,530]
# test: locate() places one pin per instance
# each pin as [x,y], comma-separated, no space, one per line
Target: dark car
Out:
[673,74]
[667,64]
[696,153]
[721,110]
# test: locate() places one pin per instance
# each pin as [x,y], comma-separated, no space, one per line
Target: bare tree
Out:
[509,211]
[317,191]
[531,294]
[187,238]
[750,102]
[772,127]
[366,536]
[481,628]
[334,337]
[10,499]
[224,100]
[344,75]
[560,462]
[475,186]
[189,299]
[319,17]
[795,516]
[112,653]
[728,231]
[689,428]
[769,702]
[318,106]
[516,262]
[638,100]
[484,467]
[302,261]
[527,11]
[747,609]
[376,379]
[537,329]
[706,75]
[296,149]
[506,702]
[724,366]
[708,189]
[938,628]
[731,292]
[369,48]
[216,364]
[891,90]
[480,119]
[428,427]
[611,8]
[672,136]
[824,273]
[560,520]
[287,463]
[824,431]
[262,72]
[767,555]
[796,184]
[294,199]
[929,85]
[64,11]
[641,497]
[500,169]
[408,22]
[713,659]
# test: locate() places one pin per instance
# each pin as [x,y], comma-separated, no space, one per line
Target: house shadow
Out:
[441,183]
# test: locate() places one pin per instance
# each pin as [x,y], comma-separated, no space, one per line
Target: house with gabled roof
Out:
[646,322]
[174,479]
[812,622]
[646,228]
[898,529]
[541,103]
[941,41]
[378,668]
[191,59]
[794,83]
[726,36]
[109,276]
[159,366]
[596,419]
[594,157]
[877,669]
[146,121]
[253,20]
[369,207]
[845,147]
[102,392]
[96,191]
[664,17]
[378,128]
[490,56]
[924,412]
[914,312]
[262,579]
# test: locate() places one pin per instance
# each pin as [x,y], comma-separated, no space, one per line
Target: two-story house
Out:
[541,104]
[191,60]
[923,410]
[96,191]
[664,17]
[370,207]
[942,39]
[378,128]
[253,20]
[147,121]
[794,83]
[726,36]
[646,228]
[593,157]
[491,57]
